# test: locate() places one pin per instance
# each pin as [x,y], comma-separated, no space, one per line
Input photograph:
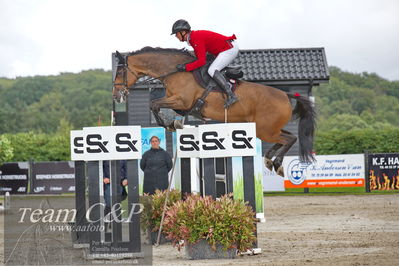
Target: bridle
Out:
[125,69]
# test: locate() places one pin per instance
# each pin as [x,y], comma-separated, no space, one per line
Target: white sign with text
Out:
[106,143]
[217,140]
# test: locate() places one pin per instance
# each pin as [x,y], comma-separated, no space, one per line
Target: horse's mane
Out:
[149,49]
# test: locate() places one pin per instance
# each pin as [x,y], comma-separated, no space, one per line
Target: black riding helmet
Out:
[180,25]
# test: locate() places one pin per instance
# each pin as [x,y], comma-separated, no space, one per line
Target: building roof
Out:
[301,65]
[291,66]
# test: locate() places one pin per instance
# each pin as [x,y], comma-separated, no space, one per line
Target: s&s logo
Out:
[211,141]
[188,143]
[125,142]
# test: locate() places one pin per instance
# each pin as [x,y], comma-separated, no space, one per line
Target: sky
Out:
[48,37]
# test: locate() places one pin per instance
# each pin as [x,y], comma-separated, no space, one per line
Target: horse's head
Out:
[153,62]
[124,76]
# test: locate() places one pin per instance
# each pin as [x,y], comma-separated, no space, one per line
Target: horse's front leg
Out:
[173,102]
[155,109]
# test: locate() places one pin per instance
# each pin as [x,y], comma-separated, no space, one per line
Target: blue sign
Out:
[147,133]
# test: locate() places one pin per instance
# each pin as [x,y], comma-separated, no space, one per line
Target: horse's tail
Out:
[305,111]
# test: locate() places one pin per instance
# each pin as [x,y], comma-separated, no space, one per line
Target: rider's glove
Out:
[181,67]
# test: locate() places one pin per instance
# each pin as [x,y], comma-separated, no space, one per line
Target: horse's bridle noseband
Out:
[125,67]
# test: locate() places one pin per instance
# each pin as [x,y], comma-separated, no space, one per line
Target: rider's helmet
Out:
[180,25]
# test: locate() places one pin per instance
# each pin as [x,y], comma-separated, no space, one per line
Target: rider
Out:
[223,47]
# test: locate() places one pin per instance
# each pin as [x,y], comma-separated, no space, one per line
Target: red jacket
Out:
[204,41]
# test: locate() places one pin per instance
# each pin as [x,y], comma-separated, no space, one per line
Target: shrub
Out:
[153,207]
[39,147]
[357,141]
[226,221]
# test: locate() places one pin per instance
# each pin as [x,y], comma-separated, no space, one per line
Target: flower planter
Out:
[203,250]
[154,236]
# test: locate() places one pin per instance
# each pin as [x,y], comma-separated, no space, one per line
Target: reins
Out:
[147,80]
[154,78]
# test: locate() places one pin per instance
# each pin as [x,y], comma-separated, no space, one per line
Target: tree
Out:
[6,150]
[46,114]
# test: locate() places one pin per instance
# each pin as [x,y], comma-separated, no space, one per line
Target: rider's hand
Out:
[181,67]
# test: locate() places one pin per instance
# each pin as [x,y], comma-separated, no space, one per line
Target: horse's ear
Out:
[119,56]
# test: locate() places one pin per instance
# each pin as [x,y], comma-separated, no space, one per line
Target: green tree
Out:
[343,122]
[46,114]
[6,150]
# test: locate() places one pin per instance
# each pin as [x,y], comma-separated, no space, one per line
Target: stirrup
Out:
[230,100]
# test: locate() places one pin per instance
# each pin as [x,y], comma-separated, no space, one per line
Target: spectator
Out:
[107,186]
[156,164]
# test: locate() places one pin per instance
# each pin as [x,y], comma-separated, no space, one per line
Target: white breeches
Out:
[224,59]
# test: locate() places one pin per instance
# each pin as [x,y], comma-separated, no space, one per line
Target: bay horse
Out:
[270,108]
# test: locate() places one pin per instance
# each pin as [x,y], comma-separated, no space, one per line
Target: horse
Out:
[270,108]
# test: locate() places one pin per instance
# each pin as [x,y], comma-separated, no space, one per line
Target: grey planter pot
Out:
[154,236]
[202,250]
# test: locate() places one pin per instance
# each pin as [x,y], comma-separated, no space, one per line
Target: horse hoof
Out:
[269,164]
[171,128]
[280,171]
[177,124]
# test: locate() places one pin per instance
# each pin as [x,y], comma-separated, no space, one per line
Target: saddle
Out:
[231,74]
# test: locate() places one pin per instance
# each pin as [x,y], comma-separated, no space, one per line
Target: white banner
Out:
[106,143]
[214,140]
[187,142]
[217,140]
[344,170]
[243,137]
[77,145]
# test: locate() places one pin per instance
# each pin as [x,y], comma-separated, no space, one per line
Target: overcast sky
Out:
[42,37]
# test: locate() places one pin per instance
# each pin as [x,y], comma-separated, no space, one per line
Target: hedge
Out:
[39,147]
[357,141]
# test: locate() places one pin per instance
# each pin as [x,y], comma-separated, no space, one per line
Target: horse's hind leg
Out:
[288,139]
[269,155]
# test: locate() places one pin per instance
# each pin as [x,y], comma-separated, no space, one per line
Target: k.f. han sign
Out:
[217,140]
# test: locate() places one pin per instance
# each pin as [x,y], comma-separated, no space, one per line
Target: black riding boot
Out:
[226,86]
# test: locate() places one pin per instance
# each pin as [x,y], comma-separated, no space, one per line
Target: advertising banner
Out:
[187,143]
[227,140]
[217,141]
[53,177]
[346,170]
[272,182]
[383,171]
[14,178]
[106,143]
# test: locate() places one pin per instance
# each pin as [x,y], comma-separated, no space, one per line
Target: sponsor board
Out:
[383,171]
[328,171]
[53,177]
[14,178]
